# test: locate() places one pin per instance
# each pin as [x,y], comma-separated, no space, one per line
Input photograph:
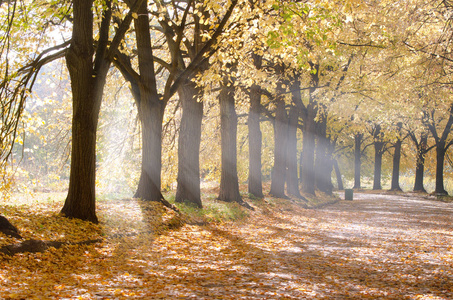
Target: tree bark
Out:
[87,89]
[440,156]
[396,161]
[88,78]
[308,152]
[255,185]
[229,182]
[280,143]
[422,149]
[151,116]
[308,176]
[338,175]
[322,160]
[441,149]
[378,152]
[150,110]
[188,189]
[357,159]
[292,182]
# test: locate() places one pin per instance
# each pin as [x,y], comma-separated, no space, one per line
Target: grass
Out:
[212,211]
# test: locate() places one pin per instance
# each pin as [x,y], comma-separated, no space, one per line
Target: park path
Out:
[382,218]
[392,246]
[375,247]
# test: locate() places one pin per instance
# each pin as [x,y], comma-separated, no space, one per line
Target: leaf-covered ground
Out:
[377,247]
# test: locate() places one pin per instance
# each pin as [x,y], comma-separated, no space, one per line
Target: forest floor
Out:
[378,246]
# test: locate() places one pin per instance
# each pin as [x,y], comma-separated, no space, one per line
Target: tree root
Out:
[168,204]
[9,229]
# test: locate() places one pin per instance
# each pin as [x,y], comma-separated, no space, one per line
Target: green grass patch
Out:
[212,211]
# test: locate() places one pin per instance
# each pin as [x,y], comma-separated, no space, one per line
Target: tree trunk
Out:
[396,167]
[151,114]
[255,185]
[87,91]
[440,156]
[378,152]
[338,175]
[280,144]
[88,74]
[292,182]
[396,162]
[150,111]
[308,152]
[229,182]
[188,189]
[377,170]
[420,163]
[308,175]
[357,159]
[322,161]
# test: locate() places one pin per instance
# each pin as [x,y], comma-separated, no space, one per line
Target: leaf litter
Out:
[375,247]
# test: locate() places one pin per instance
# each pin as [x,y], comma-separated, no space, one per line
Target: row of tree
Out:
[329,69]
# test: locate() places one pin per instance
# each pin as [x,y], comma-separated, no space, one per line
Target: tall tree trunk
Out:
[357,159]
[338,175]
[440,156]
[441,149]
[87,94]
[229,182]
[396,167]
[188,189]
[377,170]
[322,161]
[88,77]
[378,152]
[280,144]
[422,147]
[292,180]
[308,152]
[396,162]
[255,185]
[150,111]
[308,175]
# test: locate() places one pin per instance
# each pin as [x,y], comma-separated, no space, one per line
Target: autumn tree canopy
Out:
[235,92]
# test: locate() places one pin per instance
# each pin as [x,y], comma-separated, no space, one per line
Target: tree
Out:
[442,143]
[88,67]
[397,158]
[357,159]
[255,186]
[308,151]
[21,62]
[280,141]
[379,149]
[292,179]
[229,183]
[150,105]
[188,189]
[421,145]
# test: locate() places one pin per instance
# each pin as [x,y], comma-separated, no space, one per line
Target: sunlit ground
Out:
[381,247]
